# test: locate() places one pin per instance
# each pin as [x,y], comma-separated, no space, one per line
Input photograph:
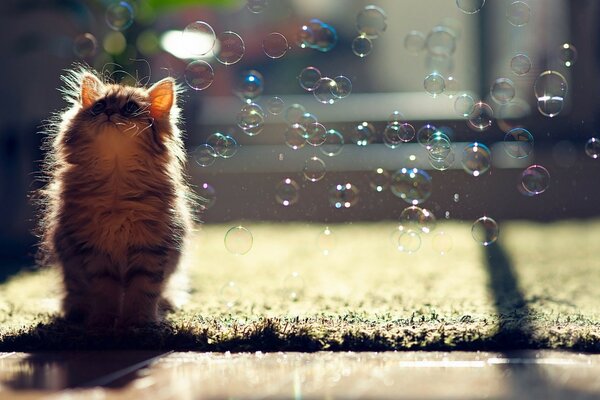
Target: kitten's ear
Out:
[162,97]
[90,89]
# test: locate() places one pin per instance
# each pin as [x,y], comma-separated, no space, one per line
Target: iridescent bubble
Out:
[441,41]
[409,242]
[119,15]
[250,116]
[307,120]
[362,46]
[470,6]
[535,179]
[343,87]
[314,169]
[485,231]
[439,147]
[326,241]
[308,78]
[231,48]
[214,141]
[199,75]
[275,45]
[204,155]
[226,146]
[518,143]
[568,54]
[396,116]
[304,37]
[550,89]
[85,45]
[379,180]
[406,132]
[275,105]
[443,164]
[371,22]
[294,113]
[295,136]
[518,13]
[363,134]
[250,85]
[392,135]
[425,133]
[414,42]
[592,148]
[416,219]
[293,286]
[476,159]
[343,195]
[481,118]
[287,192]
[520,64]
[502,90]
[324,36]
[464,105]
[442,243]
[238,240]
[230,294]
[434,84]
[334,143]
[412,185]
[325,90]
[198,38]
[207,196]
[256,6]
[316,134]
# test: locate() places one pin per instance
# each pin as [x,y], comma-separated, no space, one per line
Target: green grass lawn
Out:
[538,288]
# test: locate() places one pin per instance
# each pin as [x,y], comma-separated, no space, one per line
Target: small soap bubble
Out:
[230,294]
[215,140]
[452,86]
[464,105]
[518,143]
[481,118]
[198,38]
[275,105]
[325,91]
[485,231]
[119,15]
[362,46]
[409,242]
[304,37]
[518,13]
[275,45]
[520,64]
[439,147]
[316,134]
[85,46]
[470,6]
[287,192]
[434,84]
[502,90]
[326,241]
[414,218]
[550,89]
[406,132]
[307,120]
[592,148]
[442,243]
[441,41]
[343,87]
[363,134]
[295,136]
[445,163]
[343,195]
[231,48]
[238,240]
[199,75]
[250,116]
[371,21]
[294,113]
[568,54]
[308,78]
[414,42]
[256,6]
[207,196]
[429,222]
[396,116]
[425,134]
[535,179]
[204,155]
[293,286]
[227,147]
[412,185]
[334,143]
[324,36]
[379,180]
[314,169]
[392,136]
[250,85]
[476,159]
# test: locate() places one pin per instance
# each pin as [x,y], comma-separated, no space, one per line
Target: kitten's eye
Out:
[130,108]
[99,107]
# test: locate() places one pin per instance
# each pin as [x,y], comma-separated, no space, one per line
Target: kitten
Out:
[117,206]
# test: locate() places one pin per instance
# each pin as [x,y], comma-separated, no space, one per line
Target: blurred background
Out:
[393,55]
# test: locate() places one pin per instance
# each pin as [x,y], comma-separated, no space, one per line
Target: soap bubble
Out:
[502,90]
[344,195]
[314,169]
[316,134]
[362,46]
[326,241]
[256,6]
[324,36]
[409,242]
[592,148]
[477,159]
[412,185]
[238,240]
[464,105]
[568,54]
[470,6]
[295,136]
[85,45]
[451,87]
[293,114]
[198,38]
[445,163]
[363,134]
[434,84]
[396,116]
[207,196]
[343,87]
[520,64]
[550,89]
[324,91]
[442,243]
[379,180]
[304,37]
[308,78]
[416,219]
[439,147]
[371,22]
[231,48]
[287,192]
[293,286]
[253,131]
[119,16]
[481,117]
[425,133]
[275,105]
[392,135]
[275,45]
[306,120]
[518,143]
[518,13]
[230,294]
[224,146]
[441,41]
[250,85]
[414,42]
[334,143]
[204,155]
[250,116]
[485,231]
[199,75]
[535,179]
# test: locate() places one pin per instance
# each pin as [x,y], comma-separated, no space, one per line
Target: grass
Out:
[538,288]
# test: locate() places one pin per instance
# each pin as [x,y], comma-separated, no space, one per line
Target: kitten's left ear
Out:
[162,97]
[90,89]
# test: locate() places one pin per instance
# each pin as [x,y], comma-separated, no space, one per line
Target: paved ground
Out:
[153,375]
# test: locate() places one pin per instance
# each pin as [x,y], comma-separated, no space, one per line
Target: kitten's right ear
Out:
[90,89]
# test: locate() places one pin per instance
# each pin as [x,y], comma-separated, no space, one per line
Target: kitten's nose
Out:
[109,111]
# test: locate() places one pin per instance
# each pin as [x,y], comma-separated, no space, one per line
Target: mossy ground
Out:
[539,287]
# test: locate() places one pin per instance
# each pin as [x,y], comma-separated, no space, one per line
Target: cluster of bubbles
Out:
[326,90]
[371,23]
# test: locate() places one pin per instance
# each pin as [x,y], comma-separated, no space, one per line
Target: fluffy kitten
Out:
[116,209]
